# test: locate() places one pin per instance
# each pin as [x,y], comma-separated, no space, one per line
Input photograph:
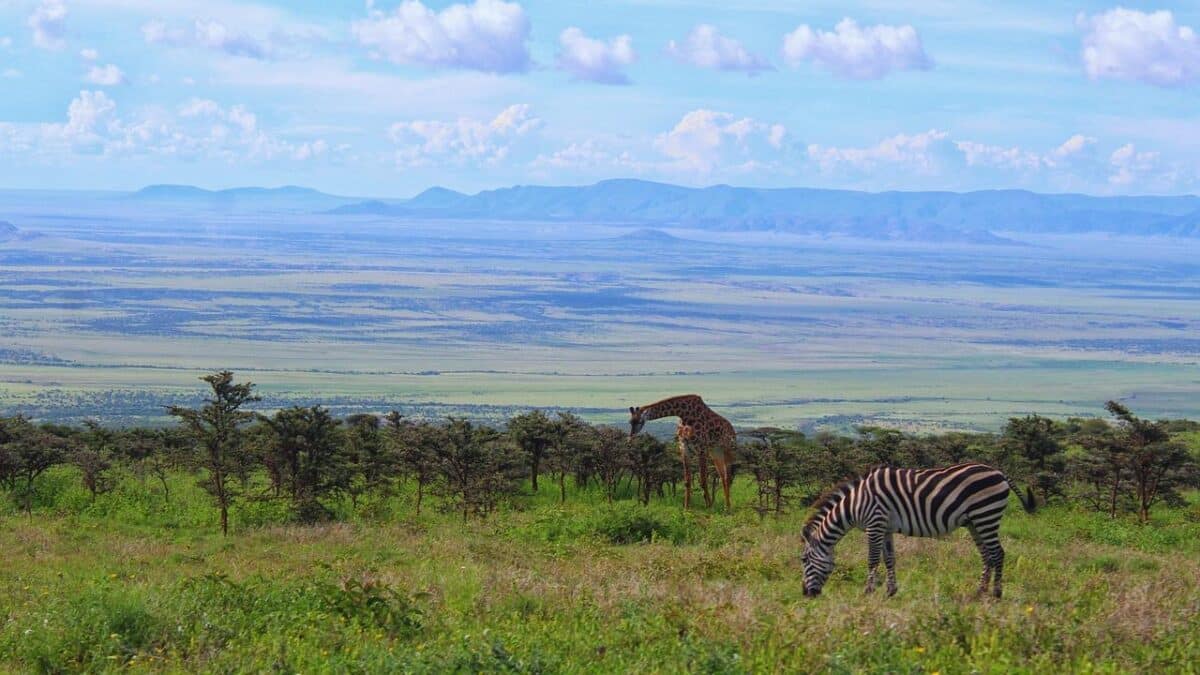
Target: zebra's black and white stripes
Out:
[916,502]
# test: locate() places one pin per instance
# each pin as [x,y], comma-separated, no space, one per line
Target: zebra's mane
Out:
[829,499]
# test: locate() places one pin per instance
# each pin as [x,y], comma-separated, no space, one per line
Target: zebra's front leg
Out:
[889,561]
[874,549]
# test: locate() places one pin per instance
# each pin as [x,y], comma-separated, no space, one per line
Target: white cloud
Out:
[105,76]
[5,42]
[89,54]
[466,140]
[198,129]
[923,152]
[705,140]
[487,35]
[49,24]
[1015,158]
[595,60]
[1128,164]
[705,47]
[10,73]
[857,52]
[1126,44]
[1073,145]
[587,154]
[208,34]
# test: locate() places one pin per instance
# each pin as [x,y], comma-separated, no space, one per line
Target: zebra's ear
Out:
[632,410]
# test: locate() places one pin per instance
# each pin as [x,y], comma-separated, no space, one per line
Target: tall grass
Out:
[132,581]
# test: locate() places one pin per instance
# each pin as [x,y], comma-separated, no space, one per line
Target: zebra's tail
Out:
[1027,499]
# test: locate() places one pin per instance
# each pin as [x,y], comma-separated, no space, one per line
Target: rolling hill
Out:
[883,215]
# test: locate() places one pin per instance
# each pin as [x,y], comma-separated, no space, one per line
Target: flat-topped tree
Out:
[702,431]
[215,428]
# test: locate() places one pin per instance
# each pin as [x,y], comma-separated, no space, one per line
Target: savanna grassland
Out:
[111,307]
[132,581]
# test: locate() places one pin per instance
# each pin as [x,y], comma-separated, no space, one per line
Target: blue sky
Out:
[387,98]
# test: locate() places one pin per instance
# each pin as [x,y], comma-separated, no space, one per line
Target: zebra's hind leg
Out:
[889,561]
[997,567]
[981,544]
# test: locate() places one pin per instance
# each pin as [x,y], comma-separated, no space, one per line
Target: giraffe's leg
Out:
[889,561]
[721,464]
[980,543]
[702,459]
[687,475]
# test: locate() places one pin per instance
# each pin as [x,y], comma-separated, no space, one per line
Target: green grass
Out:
[126,583]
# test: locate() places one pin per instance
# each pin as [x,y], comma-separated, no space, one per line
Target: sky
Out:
[386,98]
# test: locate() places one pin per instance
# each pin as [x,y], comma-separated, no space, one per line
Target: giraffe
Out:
[700,430]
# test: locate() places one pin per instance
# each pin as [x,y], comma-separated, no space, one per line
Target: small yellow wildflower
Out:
[1029,609]
[919,650]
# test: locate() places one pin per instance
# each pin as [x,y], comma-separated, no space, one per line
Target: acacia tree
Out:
[414,446]
[572,439]
[374,461]
[609,457]
[94,457]
[26,452]
[154,452]
[651,463]
[774,459]
[534,433]
[313,464]
[215,429]
[475,464]
[1033,439]
[1157,466]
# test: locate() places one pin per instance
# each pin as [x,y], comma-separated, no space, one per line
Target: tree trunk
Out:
[224,519]
[420,493]
[534,465]
[562,488]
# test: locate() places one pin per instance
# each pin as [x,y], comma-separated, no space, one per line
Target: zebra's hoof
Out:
[892,591]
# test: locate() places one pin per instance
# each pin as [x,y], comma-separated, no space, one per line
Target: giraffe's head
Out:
[817,561]
[637,420]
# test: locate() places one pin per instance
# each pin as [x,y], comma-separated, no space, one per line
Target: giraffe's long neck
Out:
[683,407]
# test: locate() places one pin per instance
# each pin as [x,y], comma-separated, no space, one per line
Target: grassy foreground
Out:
[128,583]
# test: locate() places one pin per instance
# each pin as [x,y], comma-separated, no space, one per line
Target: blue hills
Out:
[963,217]
[968,216]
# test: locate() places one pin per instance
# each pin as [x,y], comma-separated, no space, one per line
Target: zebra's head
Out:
[817,560]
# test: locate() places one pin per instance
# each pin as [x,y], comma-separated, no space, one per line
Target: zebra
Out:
[915,502]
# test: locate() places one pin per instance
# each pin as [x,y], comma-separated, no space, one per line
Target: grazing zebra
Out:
[916,502]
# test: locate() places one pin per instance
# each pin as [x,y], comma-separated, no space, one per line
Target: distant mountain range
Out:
[970,217]
[287,198]
[7,230]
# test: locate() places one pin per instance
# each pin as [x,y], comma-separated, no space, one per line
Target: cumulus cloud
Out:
[89,54]
[1128,164]
[587,154]
[105,76]
[487,35]
[857,52]
[705,47]
[1125,44]
[595,60]
[924,152]
[982,154]
[199,128]
[49,24]
[704,140]
[208,34]
[466,140]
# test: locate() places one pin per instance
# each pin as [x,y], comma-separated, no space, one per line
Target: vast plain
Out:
[113,306]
